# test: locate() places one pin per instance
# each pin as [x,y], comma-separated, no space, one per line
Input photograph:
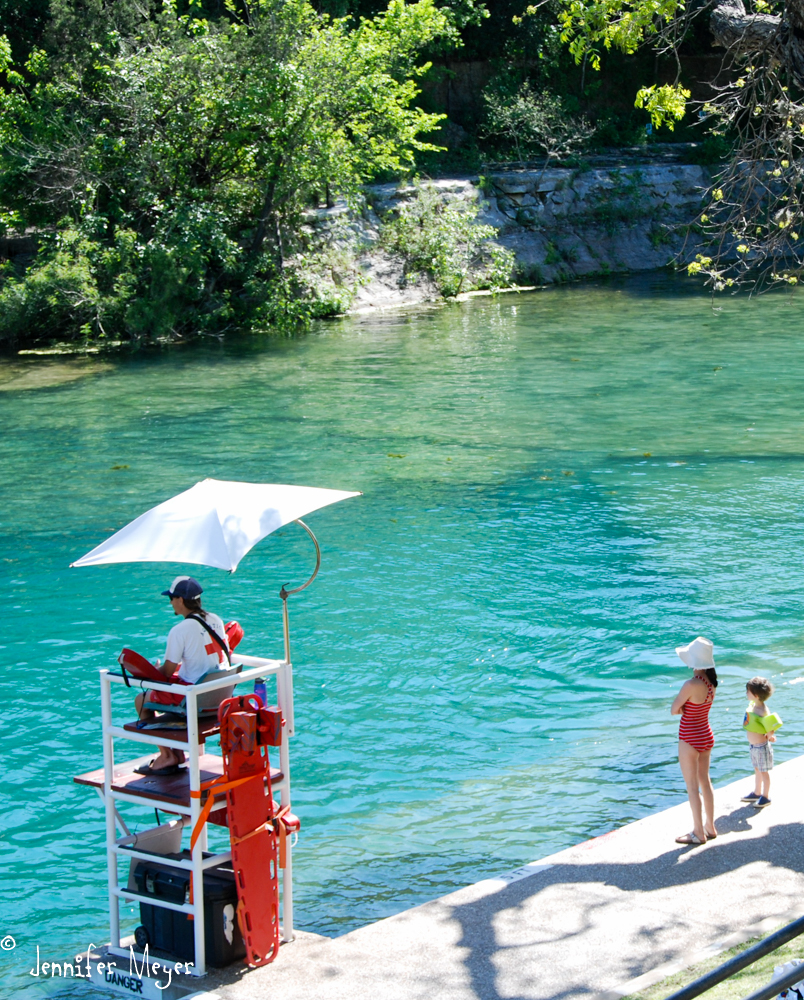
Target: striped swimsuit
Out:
[694,728]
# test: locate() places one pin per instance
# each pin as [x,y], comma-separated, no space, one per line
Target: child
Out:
[760,726]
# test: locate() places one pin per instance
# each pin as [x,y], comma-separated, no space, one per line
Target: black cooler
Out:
[172,932]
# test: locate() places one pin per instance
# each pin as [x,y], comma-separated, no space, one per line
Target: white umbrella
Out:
[215,523]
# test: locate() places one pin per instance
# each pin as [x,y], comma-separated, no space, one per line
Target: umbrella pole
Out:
[285,623]
[285,594]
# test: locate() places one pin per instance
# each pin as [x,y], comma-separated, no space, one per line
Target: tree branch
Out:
[734,28]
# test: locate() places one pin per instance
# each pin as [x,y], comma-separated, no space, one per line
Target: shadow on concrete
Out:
[782,846]
[737,821]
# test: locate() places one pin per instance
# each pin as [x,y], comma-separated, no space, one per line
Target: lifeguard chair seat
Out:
[209,701]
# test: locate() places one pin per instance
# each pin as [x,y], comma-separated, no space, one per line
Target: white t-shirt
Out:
[190,645]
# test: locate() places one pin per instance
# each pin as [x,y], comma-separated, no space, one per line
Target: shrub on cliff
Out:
[443,241]
[532,122]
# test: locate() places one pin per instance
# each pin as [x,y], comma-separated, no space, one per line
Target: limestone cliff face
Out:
[560,223]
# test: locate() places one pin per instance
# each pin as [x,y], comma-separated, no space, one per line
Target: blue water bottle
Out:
[259,689]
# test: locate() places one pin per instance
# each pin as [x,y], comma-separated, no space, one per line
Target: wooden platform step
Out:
[174,788]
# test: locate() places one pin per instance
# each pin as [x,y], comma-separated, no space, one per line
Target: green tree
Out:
[168,169]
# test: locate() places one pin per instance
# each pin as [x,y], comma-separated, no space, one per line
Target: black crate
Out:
[172,932]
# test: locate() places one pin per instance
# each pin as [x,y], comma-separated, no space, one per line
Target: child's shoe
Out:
[751,797]
[761,802]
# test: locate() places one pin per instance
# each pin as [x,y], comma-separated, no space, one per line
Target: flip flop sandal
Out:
[690,840]
[711,836]
[159,772]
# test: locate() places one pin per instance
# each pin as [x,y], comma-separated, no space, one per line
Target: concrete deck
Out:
[602,919]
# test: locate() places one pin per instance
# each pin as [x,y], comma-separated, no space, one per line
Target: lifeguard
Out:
[195,646]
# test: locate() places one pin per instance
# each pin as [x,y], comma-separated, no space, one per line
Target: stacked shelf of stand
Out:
[172,793]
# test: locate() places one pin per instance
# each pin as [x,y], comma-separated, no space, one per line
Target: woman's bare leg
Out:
[688,759]
[707,792]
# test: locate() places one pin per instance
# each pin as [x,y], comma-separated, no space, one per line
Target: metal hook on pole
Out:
[284,593]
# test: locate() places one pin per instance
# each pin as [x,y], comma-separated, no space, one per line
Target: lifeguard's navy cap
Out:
[185,587]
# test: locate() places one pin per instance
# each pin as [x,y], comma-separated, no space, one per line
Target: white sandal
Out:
[690,840]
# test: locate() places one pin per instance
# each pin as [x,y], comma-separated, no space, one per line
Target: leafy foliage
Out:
[442,240]
[590,28]
[531,122]
[173,165]
[618,24]
[60,298]
[666,104]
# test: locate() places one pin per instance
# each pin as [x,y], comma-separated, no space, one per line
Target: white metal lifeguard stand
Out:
[181,796]
[214,523]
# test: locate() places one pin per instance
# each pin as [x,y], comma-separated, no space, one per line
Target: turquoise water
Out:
[558,489]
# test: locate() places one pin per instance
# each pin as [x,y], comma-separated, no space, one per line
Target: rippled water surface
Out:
[558,489]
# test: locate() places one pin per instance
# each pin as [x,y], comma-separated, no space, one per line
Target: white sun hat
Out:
[697,654]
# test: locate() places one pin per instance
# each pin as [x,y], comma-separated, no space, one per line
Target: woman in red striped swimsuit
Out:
[695,737]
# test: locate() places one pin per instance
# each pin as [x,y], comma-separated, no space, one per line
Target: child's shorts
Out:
[762,756]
